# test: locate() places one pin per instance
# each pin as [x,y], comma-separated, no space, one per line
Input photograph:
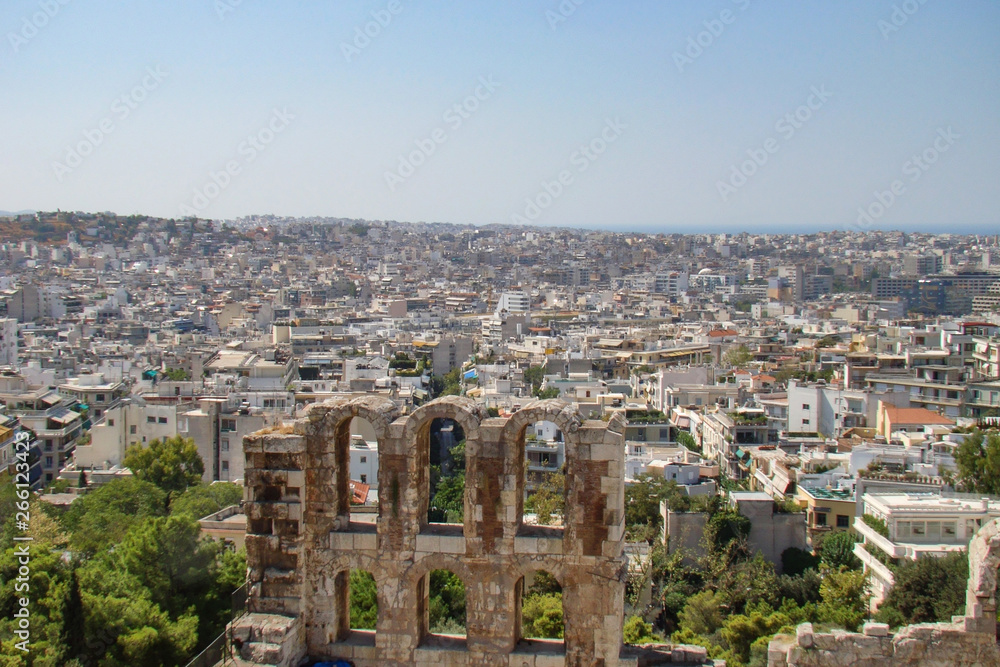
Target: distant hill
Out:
[10,214]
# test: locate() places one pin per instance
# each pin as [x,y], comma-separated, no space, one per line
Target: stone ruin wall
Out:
[969,640]
[301,543]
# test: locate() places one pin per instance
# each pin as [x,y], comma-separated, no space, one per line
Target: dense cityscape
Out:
[804,420]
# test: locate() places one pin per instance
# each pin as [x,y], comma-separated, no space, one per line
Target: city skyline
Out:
[720,117]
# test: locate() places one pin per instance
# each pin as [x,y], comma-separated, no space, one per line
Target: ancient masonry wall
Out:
[302,544]
[969,640]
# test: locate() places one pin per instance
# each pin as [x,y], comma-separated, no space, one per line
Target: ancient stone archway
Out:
[552,410]
[301,542]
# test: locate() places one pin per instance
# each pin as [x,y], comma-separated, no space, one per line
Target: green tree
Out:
[927,590]
[687,440]
[836,550]
[177,374]
[101,518]
[844,598]
[449,499]
[702,614]
[364,600]
[738,356]
[534,376]
[725,526]
[172,464]
[548,392]
[643,520]
[446,602]
[48,592]
[796,561]
[542,616]
[201,500]
[978,462]
[638,631]
[549,499]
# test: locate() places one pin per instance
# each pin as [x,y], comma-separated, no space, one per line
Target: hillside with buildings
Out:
[778,414]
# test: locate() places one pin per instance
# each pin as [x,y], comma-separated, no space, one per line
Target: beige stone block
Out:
[342,541]
[428,543]
[452,544]
[365,541]
[605,452]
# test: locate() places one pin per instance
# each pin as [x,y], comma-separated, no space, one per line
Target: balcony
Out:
[872,564]
[883,543]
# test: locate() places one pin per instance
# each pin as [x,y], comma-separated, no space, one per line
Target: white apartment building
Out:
[513,302]
[8,341]
[132,421]
[829,409]
[919,525]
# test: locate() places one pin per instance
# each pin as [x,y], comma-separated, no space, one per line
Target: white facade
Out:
[919,525]
[364,461]
[128,423]
[514,302]
[8,341]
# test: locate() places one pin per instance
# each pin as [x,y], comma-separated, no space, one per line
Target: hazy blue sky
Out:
[886,80]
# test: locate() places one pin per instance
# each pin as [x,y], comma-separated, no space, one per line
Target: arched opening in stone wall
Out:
[363,484]
[544,473]
[445,466]
[542,470]
[442,595]
[363,602]
[540,609]
[356,450]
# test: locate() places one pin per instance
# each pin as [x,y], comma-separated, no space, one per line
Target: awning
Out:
[65,418]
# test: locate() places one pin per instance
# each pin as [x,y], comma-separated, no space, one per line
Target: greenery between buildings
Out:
[729,600]
[122,577]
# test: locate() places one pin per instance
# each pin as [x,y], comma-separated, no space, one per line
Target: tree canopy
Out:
[978,461]
[172,464]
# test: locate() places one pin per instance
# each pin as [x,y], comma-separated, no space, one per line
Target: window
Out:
[132,429]
[225,466]
[805,422]
[948,530]
[111,422]
[664,434]
[364,459]
[99,398]
[225,444]
[48,445]
[48,461]
[843,521]
[228,424]
[805,406]
[364,479]
[820,518]
[150,420]
[919,530]
[902,530]
[162,420]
